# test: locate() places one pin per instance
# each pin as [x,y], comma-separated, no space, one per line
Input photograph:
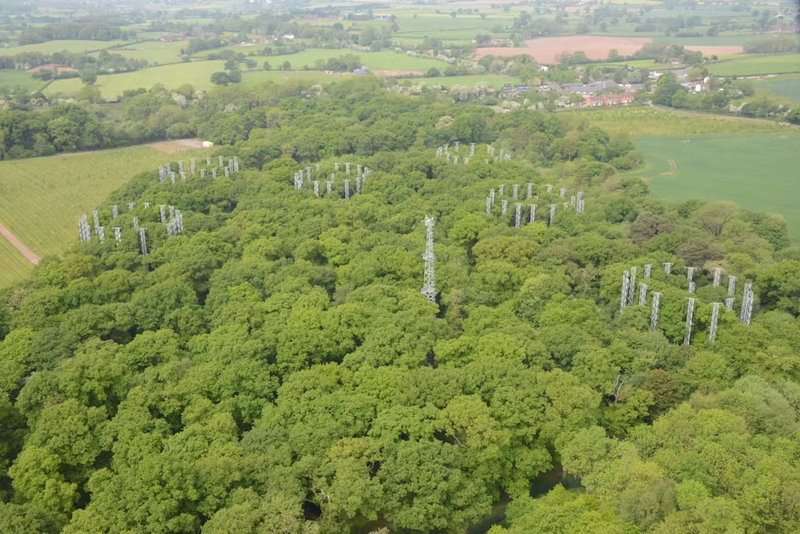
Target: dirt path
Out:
[723,117]
[28,253]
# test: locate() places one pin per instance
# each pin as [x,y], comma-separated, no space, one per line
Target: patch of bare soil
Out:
[180,145]
[548,49]
[19,245]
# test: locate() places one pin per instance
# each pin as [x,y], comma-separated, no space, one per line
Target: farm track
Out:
[19,245]
[722,117]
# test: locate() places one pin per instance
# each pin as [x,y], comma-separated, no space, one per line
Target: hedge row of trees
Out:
[275,368]
[92,31]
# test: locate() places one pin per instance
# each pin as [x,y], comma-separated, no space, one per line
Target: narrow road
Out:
[723,117]
[28,253]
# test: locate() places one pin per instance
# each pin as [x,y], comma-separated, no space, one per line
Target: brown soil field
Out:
[548,49]
[51,66]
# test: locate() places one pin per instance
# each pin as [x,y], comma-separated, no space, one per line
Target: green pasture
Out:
[759,65]
[373,60]
[153,51]
[41,199]
[493,80]
[51,47]
[13,266]
[720,40]
[198,74]
[787,87]
[13,78]
[443,26]
[755,171]
[646,120]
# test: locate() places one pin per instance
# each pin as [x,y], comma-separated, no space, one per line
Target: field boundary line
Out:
[19,245]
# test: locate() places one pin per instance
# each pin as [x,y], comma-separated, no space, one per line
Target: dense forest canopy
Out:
[274,367]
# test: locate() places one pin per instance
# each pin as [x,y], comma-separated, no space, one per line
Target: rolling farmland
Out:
[12,78]
[754,171]
[41,199]
[172,76]
[758,65]
[13,267]
[59,46]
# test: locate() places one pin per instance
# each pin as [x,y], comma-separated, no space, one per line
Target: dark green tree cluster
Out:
[274,368]
[91,31]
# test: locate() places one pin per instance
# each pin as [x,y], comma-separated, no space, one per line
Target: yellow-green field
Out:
[153,51]
[42,199]
[13,267]
[13,78]
[172,76]
[59,46]
[493,80]
[644,120]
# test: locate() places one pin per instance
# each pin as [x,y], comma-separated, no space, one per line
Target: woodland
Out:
[274,367]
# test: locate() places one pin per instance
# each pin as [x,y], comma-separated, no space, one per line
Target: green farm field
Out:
[758,172]
[153,51]
[760,65]
[42,199]
[645,120]
[373,60]
[13,266]
[787,87]
[198,74]
[59,46]
[13,78]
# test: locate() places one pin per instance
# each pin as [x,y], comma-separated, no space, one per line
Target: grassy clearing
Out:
[752,170]
[41,199]
[494,80]
[153,51]
[720,40]
[641,120]
[198,74]
[787,87]
[13,267]
[755,66]
[59,46]
[13,78]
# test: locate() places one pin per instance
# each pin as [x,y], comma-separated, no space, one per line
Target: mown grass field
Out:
[153,51]
[13,266]
[13,78]
[42,199]
[198,74]
[645,120]
[759,65]
[255,78]
[758,172]
[59,46]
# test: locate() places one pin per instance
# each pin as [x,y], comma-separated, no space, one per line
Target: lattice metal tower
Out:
[654,311]
[429,284]
[712,331]
[623,301]
[689,316]
[747,303]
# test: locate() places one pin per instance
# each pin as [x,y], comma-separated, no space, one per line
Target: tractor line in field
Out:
[19,245]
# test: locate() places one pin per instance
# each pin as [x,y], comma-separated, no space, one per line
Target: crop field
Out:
[754,171]
[644,120]
[787,87]
[42,199]
[198,74]
[59,46]
[375,61]
[153,51]
[13,266]
[759,65]
[493,80]
[13,78]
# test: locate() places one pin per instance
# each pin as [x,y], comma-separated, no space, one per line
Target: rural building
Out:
[591,101]
[360,72]
[166,38]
